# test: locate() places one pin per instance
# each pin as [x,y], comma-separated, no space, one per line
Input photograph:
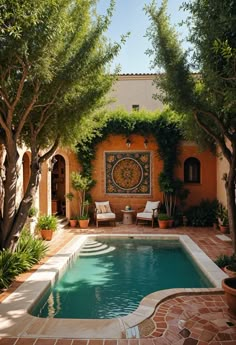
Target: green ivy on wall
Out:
[119,122]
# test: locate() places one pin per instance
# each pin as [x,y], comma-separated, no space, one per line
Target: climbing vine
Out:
[120,122]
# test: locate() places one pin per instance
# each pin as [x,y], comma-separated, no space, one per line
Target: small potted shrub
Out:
[223,219]
[163,220]
[73,221]
[47,224]
[82,184]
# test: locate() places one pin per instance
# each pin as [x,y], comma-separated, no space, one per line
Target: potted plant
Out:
[81,184]
[163,220]
[47,224]
[223,219]
[173,190]
[73,219]
[229,286]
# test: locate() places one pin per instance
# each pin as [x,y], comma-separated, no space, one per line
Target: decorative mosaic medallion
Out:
[127,172]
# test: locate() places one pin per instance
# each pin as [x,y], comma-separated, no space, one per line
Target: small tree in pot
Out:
[82,184]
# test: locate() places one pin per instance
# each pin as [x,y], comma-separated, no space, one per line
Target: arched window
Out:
[192,170]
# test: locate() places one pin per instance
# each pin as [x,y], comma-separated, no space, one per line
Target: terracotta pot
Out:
[224,229]
[229,271]
[83,223]
[171,223]
[46,234]
[73,222]
[163,224]
[229,286]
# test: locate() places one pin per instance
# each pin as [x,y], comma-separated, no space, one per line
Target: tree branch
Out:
[219,123]
[49,153]
[5,99]
[27,112]
[20,87]
[226,152]
[44,118]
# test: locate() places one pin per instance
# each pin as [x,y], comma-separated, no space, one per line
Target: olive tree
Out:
[54,63]
[205,99]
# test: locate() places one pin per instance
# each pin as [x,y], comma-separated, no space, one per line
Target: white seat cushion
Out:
[109,215]
[103,207]
[144,215]
[150,205]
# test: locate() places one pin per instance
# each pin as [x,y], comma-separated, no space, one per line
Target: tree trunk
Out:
[14,216]
[231,201]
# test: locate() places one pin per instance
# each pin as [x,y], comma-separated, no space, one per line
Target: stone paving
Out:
[188,319]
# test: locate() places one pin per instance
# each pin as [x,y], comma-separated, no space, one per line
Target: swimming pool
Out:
[112,284]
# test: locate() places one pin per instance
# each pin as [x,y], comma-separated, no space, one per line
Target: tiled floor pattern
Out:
[191,320]
[188,320]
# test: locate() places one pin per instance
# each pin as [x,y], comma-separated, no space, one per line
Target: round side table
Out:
[127,216]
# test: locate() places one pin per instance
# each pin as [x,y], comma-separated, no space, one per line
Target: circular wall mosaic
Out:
[127,173]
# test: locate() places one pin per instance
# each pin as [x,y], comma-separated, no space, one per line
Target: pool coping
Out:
[16,321]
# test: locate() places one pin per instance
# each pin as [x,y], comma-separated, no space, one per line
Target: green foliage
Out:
[32,212]
[163,216]
[224,260]
[34,248]
[47,222]
[222,215]
[120,122]
[202,214]
[9,268]
[205,101]
[28,252]
[82,184]
[55,61]
[70,196]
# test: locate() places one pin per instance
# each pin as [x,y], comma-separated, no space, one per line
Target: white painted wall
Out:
[135,89]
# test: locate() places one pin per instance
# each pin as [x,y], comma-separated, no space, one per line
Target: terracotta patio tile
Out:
[43,341]
[190,341]
[146,342]
[64,342]
[8,341]
[133,342]
[223,336]
[122,342]
[79,342]
[95,342]
[25,341]
[110,342]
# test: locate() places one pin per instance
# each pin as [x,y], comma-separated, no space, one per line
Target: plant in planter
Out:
[81,184]
[229,286]
[47,224]
[223,218]
[172,191]
[73,218]
[227,263]
[163,220]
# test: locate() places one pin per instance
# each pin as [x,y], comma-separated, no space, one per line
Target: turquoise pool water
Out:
[113,284]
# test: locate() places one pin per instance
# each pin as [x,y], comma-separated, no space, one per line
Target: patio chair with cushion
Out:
[103,213]
[150,212]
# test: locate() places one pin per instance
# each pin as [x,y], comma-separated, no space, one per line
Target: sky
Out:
[129,16]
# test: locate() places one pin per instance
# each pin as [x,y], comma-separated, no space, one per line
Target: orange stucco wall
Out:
[205,189]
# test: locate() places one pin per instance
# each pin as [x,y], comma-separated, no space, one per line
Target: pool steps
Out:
[92,248]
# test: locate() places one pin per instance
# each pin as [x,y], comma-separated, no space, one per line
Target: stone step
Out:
[105,251]
[96,249]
